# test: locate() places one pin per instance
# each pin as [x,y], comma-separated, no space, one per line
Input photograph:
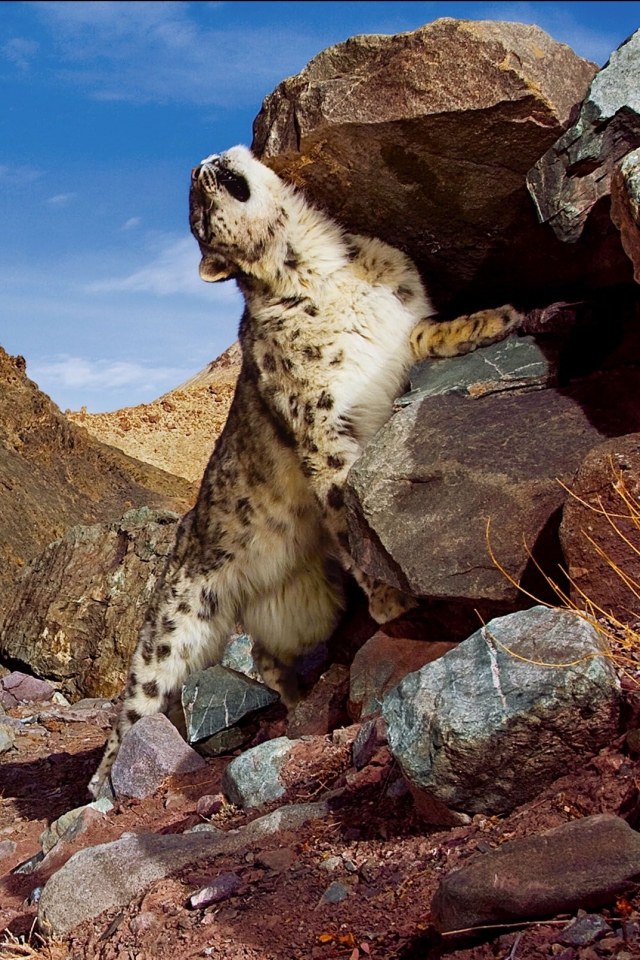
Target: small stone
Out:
[239,657]
[584,931]
[209,804]
[60,699]
[331,864]
[336,892]
[371,736]
[350,866]
[204,828]
[223,887]
[73,823]
[7,738]
[143,923]
[369,871]
[223,742]
[31,864]
[7,848]
[254,777]
[151,751]
[173,800]
[277,860]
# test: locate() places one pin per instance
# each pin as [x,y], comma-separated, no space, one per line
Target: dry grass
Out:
[33,947]
[620,632]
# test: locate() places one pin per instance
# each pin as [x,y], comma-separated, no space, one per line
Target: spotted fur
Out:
[326,342]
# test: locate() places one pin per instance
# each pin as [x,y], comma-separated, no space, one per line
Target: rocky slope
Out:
[176,432]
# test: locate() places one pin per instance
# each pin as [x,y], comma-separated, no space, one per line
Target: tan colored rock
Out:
[625,207]
[76,612]
[425,140]
[176,432]
[595,546]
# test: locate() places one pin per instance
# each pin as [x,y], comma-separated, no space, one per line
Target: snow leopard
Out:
[332,323]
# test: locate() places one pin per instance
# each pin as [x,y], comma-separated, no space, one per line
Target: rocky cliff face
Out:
[53,474]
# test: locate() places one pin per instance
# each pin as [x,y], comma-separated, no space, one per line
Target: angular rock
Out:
[209,804]
[151,751]
[239,657]
[371,736]
[420,496]
[336,892]
[254,777]
[431,154]
[625,207]
[224,742]
[7,848]
[515,706]
[512,364]
[325,707]
[7,738]
[223,887]
[380,665]
[594,546]
[53,475]
[584,930]
[19,687]
[73,823]
[575,173]
[112,874]
[77,611]
[586,863]
[215,699]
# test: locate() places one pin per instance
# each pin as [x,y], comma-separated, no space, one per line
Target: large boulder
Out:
[599,530]
[421,496]
[75,614]
[486,727]
[54,475]
[571,183]
[425,139]
[625,207]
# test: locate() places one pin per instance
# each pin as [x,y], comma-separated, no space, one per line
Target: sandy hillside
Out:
[177,431]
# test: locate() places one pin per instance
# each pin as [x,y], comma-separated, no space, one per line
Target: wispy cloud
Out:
[592,44]
[60,199]
[172,270]
[131,223]
[156,51]
[17,175]
[20,52]
[79,373]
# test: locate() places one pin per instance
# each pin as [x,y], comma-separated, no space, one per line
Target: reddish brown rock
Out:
[425,140]
[598,532]
[585,863]
[380,665]
[325,708]
[151,751]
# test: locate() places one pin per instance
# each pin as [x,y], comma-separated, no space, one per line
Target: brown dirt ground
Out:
[176,432]
[391,861]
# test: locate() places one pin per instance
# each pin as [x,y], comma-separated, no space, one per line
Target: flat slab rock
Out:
[583,864]
[486,727]
[215,699]
[112,874]
[151,751]
[419,498]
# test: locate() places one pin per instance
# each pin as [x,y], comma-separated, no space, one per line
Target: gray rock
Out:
[575,173]
[515,706]
[254,777]
[204,828]
[585,863]
[223,887]
[336,892]
[112,874]
[19,687]
[432,155]
[514,363]
[239,657]
[7,738]
[419,498]
[223,742]
[371,736]
[217,698]
[584,930]
[7,848]
[151,751]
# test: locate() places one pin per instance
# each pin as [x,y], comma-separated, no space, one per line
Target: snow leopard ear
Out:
[212,269]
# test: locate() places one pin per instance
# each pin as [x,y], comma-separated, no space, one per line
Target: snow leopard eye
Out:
[234,183]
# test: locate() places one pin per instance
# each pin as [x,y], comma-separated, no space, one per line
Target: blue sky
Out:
[105,108]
